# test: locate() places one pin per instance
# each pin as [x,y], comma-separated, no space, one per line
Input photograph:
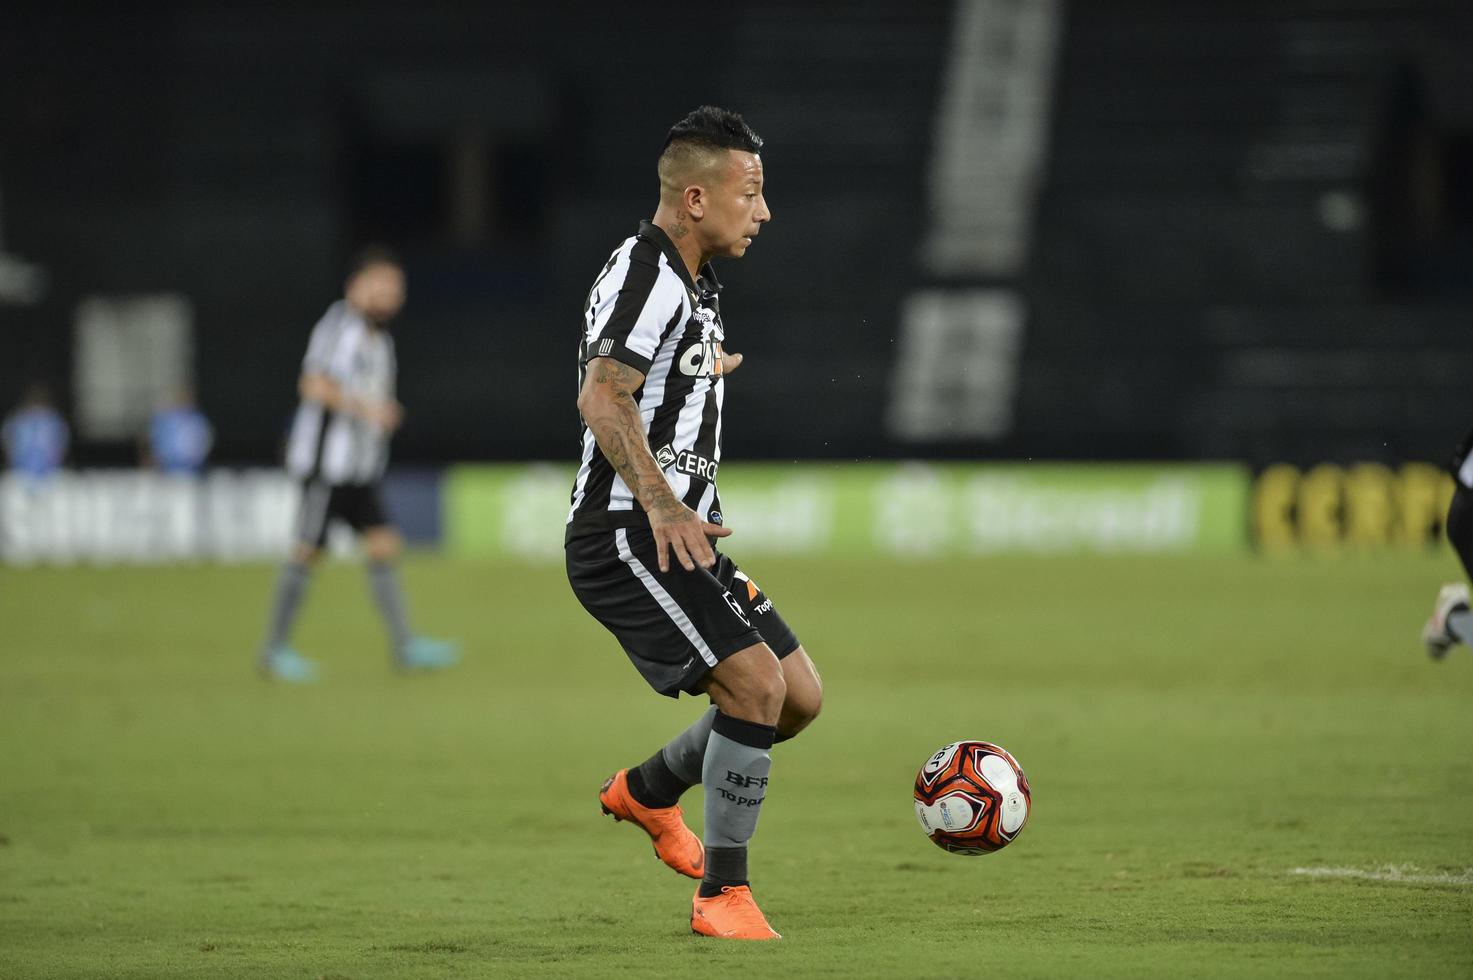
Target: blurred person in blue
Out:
[179,437]
[338,449]
[35,435]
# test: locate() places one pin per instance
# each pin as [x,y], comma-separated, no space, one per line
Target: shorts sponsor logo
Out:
[736,607]
[714,517]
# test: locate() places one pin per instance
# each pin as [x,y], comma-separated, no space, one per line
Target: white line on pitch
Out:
[1408,874]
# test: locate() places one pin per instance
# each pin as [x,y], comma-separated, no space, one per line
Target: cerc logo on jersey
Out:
[687,462]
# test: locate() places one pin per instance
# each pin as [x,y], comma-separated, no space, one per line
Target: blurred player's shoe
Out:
[674,843]
[1436,637]
[425,653]
[286,664]
[731,915]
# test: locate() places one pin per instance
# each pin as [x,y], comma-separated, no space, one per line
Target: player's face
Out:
[737,210]
[377,292]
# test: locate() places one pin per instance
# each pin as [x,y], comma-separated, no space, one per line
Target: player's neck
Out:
[678,227]
[368,321]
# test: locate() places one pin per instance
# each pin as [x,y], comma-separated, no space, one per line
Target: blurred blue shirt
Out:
[35,440]
[180,439]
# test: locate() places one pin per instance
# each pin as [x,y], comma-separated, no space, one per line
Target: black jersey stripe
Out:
[710,415]
[634,293]
[324,421]
[705,445]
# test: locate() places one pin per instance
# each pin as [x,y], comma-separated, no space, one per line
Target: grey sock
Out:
[390,599]
[735,780]
[686,752]
[1460,625]
[291,585]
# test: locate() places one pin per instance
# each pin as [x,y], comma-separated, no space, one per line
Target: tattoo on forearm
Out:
[621,437]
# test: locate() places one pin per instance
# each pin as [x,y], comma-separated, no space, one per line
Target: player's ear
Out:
[694,200]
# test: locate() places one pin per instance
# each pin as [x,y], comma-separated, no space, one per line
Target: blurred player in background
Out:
[35,435]
[645,516]
[338,448]
[179,437]
[1451,621]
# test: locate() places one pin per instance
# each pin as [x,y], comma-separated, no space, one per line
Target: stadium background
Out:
[1246,235]
[1189,279]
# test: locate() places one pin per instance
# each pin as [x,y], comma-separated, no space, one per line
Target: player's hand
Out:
[730,362]
[680,532]
[387,415]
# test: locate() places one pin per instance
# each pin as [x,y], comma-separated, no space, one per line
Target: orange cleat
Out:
[674,843]
[731,915]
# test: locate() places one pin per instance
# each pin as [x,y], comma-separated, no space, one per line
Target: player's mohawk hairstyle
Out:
[716,128]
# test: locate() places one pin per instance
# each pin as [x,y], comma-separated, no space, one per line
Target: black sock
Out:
[652,784]
[725,866]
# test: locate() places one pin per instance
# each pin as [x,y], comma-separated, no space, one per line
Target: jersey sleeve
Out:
[323,344]
[627,324]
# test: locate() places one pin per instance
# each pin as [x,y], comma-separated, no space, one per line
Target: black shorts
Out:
[676,625]
[358,505]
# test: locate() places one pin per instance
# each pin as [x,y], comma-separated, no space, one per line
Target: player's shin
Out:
[291,585]
[384,583]
[664,777]
[734,774]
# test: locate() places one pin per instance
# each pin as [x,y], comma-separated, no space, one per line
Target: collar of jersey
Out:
[706,285]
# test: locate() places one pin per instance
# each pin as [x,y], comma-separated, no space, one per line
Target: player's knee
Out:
[765,693]
[383,546]
[799,710]
[758,696]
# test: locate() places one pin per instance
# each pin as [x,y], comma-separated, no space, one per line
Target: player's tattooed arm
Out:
[611,412]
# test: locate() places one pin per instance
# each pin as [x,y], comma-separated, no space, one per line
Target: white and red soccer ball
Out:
[972,798]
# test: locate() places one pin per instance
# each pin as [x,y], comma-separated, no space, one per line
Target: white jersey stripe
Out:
[666,601]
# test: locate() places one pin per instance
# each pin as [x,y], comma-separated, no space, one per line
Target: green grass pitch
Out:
[1195,730]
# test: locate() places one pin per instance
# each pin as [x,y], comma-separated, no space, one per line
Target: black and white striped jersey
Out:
[329,446]
[645,311]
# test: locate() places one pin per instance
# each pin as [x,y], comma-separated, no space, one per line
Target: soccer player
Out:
[645,516]
[35,436]
[338,448]
[1452,618]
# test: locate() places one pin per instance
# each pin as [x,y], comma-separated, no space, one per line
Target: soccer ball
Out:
[972,798]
